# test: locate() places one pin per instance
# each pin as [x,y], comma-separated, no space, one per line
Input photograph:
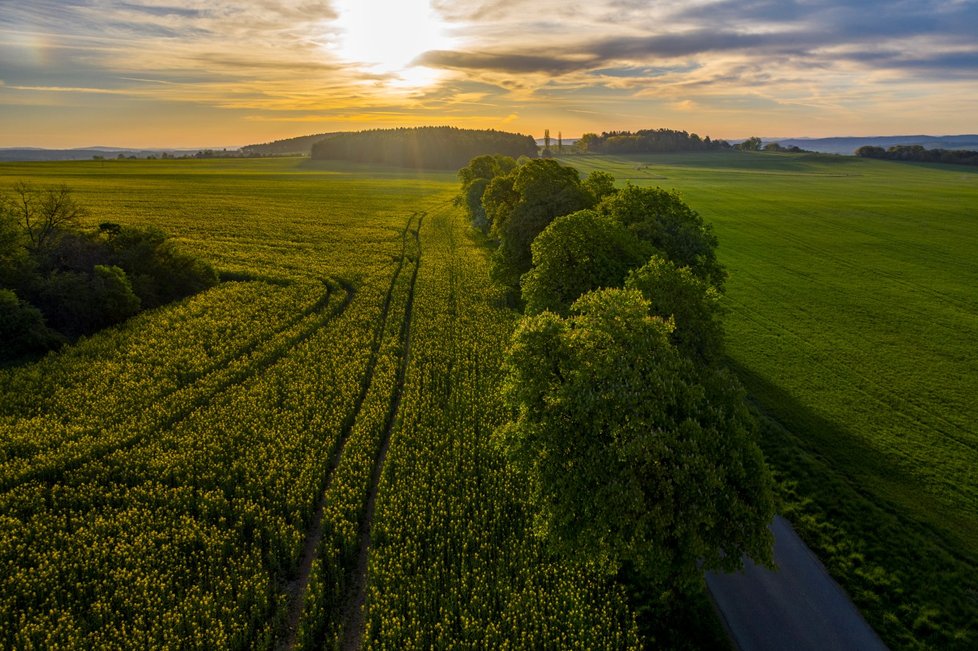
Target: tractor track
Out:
[298,586]
[56,471]
[354,619]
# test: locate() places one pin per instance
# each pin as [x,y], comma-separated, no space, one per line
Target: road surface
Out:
[798,607]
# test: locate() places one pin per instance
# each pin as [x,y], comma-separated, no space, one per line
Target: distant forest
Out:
[919,154]
[423,147]
[299,146]
[647,141]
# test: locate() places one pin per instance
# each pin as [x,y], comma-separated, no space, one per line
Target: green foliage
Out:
[599,184]
[647,141]
[83,281]
[161,273]
[664,220]
[78,303]
[113,294]
[918,153]
[693,305]
[521,204]
[422,147]
[575,254]
[634,455]
[751,144]
[475,178]
[22,328]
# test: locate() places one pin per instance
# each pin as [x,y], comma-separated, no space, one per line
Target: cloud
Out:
[508,63]
[510,60]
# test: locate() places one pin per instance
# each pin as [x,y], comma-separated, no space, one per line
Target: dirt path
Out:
[798,607]
[354,621]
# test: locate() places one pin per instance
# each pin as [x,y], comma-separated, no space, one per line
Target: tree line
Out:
[647,141]
[59,280]
[639,447]
[298,146]
[422,147]
[918,153]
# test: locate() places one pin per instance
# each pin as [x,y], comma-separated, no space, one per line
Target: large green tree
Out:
[635,455]
[694,305]
[521,204]
[664,220]
[575,254]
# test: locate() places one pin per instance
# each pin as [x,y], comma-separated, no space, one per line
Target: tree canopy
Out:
[693,304]
[519,205]
[917,153]
[665,221]
[635,455]
[575,254]
[647,141]
[475,178]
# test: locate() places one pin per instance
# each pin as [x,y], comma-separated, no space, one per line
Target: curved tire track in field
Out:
[354,620]
[298,587]
[55,471]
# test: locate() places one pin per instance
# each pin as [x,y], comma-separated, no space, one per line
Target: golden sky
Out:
[216,73]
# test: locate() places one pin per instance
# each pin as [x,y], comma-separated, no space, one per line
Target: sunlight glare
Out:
[387,35]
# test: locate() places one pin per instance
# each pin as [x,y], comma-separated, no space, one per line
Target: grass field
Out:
[853,317]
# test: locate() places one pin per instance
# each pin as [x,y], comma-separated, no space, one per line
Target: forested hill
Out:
[423,147]
[299,146]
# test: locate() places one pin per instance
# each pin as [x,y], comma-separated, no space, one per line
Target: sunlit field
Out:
[202,472]
[199,475]
[852,317]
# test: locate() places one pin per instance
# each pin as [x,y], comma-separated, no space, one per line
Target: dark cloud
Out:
[691,43]
[511,63]
[812,34]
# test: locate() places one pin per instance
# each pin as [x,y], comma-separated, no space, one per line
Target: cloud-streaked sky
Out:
[182,73]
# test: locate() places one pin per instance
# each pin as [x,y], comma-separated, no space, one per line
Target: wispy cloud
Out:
[611,64]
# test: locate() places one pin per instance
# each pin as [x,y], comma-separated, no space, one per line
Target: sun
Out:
[387,35]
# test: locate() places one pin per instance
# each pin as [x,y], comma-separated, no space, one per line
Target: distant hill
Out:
[33,154]
[298,146]
[422,147]
[850,145]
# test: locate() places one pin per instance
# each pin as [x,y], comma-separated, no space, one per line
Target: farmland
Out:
[300,456]
[199,476]
[852,317]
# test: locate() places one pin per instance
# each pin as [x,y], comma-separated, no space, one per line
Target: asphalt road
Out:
[797,608]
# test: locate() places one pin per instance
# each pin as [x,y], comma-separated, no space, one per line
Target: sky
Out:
[225,73]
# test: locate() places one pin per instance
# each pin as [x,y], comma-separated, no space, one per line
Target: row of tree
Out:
[59,281]
[647,141]
[919,154]
[422,147]
[639,447]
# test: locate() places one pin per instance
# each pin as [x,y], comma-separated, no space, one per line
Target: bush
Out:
[22,328]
